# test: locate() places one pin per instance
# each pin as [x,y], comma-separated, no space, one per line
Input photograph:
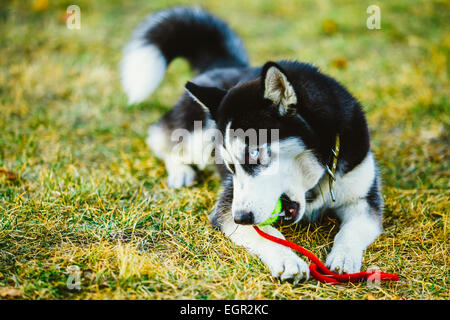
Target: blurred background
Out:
[76,176]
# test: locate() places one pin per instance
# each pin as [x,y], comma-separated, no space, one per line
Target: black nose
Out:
[244,217]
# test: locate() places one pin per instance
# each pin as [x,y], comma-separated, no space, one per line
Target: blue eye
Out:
[254,153]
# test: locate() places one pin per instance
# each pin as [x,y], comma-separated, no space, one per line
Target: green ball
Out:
[278,207]
[274,217]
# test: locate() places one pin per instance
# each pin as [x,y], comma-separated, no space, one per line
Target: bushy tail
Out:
[189,32]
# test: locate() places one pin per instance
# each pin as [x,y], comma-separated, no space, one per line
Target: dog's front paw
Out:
[180,176]
[288,266]
[343,259]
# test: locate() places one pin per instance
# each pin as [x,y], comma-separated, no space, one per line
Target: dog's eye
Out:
[254,153]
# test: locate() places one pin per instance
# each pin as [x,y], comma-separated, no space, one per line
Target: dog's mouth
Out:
[289,210]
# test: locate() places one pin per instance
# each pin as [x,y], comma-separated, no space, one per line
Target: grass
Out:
[78,186]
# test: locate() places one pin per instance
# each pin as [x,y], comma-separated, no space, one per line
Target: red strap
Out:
[328,276]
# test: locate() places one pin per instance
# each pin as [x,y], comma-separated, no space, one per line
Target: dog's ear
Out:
[207,97]
[278,88]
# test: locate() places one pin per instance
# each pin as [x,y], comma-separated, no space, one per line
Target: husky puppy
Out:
[318,159]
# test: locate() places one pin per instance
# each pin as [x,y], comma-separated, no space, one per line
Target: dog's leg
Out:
[282,262]
[179,174]
[178,156]
[360,226]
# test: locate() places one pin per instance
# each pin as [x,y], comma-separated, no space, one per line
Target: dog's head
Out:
[268,141]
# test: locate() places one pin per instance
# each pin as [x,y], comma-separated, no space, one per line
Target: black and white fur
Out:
[307,107]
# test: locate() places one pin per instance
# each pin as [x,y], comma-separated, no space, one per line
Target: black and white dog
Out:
[312,115]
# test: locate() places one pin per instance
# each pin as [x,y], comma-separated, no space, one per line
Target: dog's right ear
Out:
[207,97]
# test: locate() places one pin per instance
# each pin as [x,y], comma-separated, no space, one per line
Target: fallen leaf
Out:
[63,17]
[329,26]
[11,176]
[40,5]
[340,63]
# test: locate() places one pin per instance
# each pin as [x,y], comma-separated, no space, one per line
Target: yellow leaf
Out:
[340,63]
[329,26]
[40,5]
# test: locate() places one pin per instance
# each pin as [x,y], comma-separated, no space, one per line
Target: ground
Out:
[79,189]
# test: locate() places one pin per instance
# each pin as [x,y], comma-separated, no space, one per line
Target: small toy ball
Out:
[274,216]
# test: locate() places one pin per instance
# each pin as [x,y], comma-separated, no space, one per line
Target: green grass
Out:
[78,186]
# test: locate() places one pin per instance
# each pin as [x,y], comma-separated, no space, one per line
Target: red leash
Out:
[328,276]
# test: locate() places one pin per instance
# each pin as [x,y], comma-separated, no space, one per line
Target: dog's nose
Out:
[244,217]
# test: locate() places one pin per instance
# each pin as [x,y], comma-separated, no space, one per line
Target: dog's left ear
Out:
[278,88]
[209,98]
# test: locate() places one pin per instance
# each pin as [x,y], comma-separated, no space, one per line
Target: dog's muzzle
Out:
[288,215]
